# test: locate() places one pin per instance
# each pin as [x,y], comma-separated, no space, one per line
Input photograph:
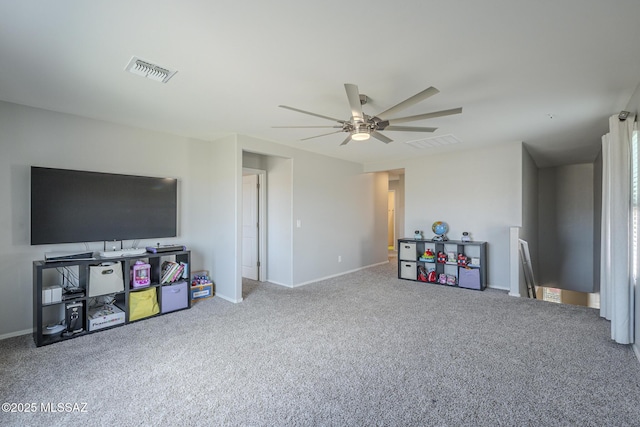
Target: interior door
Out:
[250,227]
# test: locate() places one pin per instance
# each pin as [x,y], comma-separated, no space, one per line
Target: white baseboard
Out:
[233,300]
[339,274]
[636,350]
[511,294]
[279,284]
[16,334]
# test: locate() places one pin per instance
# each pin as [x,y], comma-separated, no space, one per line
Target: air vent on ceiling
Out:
[435,141]
[149,70]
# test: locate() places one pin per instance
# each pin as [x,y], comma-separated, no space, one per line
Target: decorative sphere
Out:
[440,228]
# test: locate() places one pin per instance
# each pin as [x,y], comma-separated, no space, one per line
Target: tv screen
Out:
[69,206]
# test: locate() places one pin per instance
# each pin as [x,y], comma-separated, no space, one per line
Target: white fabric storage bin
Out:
[408,251]
[408,270]
[105,278]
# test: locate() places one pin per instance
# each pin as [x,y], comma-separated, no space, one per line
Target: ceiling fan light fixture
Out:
[360,136]
[361,127]
[361,132]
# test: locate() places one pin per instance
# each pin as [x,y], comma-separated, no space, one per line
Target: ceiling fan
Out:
[362,126]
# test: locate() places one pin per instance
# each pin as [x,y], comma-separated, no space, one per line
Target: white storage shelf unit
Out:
[473,275]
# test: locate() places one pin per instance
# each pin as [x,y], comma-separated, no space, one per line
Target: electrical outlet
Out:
[339,258]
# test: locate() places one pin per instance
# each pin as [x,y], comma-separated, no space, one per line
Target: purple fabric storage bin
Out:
[174,297]
[469,278]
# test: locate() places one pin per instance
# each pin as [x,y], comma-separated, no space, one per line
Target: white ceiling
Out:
[546,72]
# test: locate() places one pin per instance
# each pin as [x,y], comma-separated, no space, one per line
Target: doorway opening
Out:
[395,219]
[253,224]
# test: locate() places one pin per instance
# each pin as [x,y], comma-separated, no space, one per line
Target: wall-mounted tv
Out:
[70,206]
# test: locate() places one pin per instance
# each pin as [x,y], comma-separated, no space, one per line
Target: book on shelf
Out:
[172,271]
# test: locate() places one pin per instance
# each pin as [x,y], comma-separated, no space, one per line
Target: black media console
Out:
[60,314]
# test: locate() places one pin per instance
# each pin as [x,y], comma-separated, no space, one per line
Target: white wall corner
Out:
[514,262]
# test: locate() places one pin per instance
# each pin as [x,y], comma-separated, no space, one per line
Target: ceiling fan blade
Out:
[318,136]
[346,141]
[427,116]
[312,114]
[306,127]
[410,129]
[381,137]
[418,97]
[354,102]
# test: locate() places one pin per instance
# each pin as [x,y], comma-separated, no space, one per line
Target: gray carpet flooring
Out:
[358,350]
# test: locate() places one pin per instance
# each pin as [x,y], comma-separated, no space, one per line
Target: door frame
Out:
[395,212]
[262,223]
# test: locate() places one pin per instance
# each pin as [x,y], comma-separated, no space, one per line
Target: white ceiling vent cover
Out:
[435,141]
[149,70]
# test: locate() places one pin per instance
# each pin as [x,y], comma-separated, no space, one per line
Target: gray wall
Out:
[597,220]
[279,220]
[343,212]
[566,227]
[398,186]
[475,190]
[254,161]
[35,137]
[530,222]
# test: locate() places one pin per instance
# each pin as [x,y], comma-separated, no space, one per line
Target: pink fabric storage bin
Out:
[174,297]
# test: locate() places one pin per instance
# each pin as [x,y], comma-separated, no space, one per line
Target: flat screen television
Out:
[69,206]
